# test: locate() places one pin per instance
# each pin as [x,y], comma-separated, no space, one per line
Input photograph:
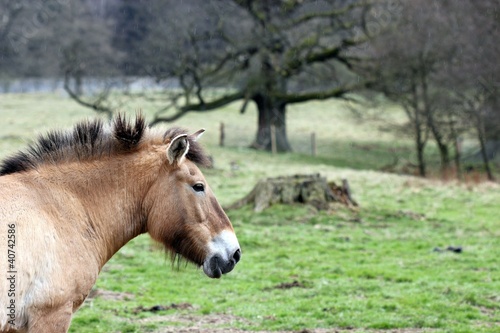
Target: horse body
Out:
[48,270]
[70,215]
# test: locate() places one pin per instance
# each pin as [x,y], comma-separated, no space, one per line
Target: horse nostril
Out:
[237,255]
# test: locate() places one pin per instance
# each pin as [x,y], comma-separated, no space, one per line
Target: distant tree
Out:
[83,34]
[271,53]
[11,15]
[54,38]
[133,22]
[407,63]
[473,78]
[27,37]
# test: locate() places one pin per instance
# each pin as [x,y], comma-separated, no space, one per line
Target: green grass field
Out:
[374,269]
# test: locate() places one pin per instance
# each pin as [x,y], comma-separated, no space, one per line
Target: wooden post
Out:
[273,139]
[313,143]
[222,135]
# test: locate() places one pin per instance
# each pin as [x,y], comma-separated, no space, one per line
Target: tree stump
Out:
[306,189]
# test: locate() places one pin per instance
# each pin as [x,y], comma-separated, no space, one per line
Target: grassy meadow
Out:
[382,267]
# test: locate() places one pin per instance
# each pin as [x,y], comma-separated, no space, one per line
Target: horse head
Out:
[184,214]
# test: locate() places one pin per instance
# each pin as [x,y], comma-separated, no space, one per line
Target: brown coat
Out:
[75,199]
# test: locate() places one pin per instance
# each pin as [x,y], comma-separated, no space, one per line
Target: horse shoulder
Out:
[49,259]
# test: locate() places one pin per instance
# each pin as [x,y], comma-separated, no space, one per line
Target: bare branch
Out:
[200,107]
[96,105]
[328,54]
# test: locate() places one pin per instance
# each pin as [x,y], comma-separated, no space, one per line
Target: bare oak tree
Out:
[271,53]
[407,63]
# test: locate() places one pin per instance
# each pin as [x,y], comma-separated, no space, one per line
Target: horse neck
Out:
[106,199]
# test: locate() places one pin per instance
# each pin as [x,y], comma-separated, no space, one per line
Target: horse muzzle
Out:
[224,254]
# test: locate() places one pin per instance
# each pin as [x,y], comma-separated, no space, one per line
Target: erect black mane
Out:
[89,140]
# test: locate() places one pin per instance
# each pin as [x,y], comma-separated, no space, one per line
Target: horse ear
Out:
[177,149]
[197,135]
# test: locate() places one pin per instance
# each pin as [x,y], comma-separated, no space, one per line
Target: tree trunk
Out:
[420,142]
[431,123]
[458,157]
[413,112]
[458,146]
[271,113]
[420,157]
[271,110]
[440,142]
[482,142]
[445,156]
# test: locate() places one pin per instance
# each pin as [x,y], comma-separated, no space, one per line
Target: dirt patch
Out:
[109,295]
[224,323]
[410,215]
[182,322]
[156,308]
[190,323]
[289,285]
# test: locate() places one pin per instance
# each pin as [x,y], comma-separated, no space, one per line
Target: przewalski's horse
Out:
[73,199]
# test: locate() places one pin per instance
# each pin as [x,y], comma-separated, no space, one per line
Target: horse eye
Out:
[199,187]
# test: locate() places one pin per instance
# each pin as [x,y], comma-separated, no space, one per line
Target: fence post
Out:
[313,143]
[222,135]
